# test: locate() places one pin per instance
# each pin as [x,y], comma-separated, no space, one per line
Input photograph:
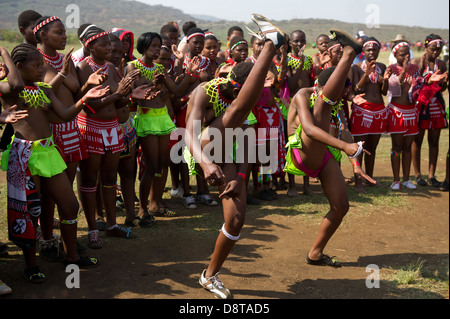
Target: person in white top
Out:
[81,53]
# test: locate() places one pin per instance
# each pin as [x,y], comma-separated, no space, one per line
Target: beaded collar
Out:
[34,96]
[95,67]
[148,71]
[219,102]
[54,61]
[204,63]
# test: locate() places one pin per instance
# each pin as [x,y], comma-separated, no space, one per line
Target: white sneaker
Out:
[177,193]
[409,185]
[206,199]
[189,202]
[395,186]
[214,285]
[268,31]
[4,289]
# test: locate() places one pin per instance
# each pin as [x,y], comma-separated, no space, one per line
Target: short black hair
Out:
[236,39]
[322,36]
[298,31]
[194,30]
[240,72]
[168,28]
[27,18]
[372,39]
[333,43]
[235,28]
[114,38]
[188,25]
[325,76]
[145,40]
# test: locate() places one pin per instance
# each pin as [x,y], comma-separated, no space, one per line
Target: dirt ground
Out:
[165,261]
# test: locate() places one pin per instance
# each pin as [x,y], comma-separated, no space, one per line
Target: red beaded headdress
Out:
[45,22]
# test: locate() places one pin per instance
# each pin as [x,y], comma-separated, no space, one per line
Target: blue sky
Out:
[397,12]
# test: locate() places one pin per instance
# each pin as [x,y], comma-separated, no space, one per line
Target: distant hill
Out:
[140,17]
[132,15]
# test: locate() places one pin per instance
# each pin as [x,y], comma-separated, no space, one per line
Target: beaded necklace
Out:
[219,102]
[335,107]
[411,72]
[95,66]
[148,71]
[436,67]
[54,61]
[34,96]
[204,63]
[373,77]
[294,62]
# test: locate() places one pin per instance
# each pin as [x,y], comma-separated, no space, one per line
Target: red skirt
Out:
[432,116]
[402,119]
[368,118]
[100,135]
[70,143]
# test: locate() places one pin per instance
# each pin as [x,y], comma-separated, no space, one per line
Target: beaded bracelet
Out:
[85,104]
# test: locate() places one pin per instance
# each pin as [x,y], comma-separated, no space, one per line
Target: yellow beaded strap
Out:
[148,71]
[294,62]
[220,103]
[336,107]
[34,96]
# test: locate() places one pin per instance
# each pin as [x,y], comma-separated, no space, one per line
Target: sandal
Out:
[433,182]
[34,275]
[138,222]
[83,262]
[149,219]
[325,260]
[346,40]
[164,212]
[421,182]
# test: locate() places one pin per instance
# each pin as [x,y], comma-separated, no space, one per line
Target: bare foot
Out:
[292,192]
[307,191]
[360,188]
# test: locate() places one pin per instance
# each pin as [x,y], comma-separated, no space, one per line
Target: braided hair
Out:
[23,52]
[91,32]
[240,72]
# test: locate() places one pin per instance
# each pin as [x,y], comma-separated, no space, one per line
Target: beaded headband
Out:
[371,43]
[238,43]
[95,37]
[210,34]
[198,34]
[438,41]
[45,22]
[336,45]
[398,46]
[233,82]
